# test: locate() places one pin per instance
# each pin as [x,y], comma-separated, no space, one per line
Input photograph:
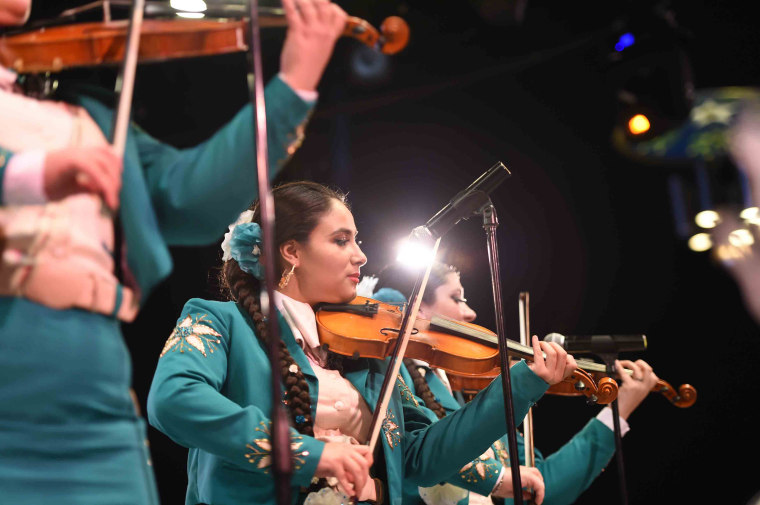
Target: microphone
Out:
[468,202]
[599,344]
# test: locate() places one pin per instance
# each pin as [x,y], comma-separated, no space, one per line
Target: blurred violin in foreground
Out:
[84,44]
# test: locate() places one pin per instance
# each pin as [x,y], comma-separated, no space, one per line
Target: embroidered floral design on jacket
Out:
[261,449]
[479,469]
[406,393]
[500,450]
[194,332]
[391,430]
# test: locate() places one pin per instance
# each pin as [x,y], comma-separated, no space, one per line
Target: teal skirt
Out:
[69,433]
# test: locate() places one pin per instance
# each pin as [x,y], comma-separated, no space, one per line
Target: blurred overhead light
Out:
[638,124]
[700,242]
[188,5]
[191,15]
[741,237]
[750,214]
[625,40]
[707,219]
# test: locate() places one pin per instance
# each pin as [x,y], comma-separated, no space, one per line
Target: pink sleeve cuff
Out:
[23,183]
[306,96]
[605,416]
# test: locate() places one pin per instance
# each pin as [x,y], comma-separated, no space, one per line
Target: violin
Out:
[55,48]
[597,389]
[368,328]
[593,382]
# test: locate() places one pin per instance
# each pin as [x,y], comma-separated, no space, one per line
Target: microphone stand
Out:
[282,461]
[609,360]
[490,222]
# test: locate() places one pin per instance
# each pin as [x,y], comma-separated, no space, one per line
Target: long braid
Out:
[423,390]
[244,290]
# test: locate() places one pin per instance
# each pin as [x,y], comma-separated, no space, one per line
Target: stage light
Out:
[625,40]
[414,254]
[638,124]
[188,6]
[191,15]
[741,237]
[749,214]
[700,242]
[707,219]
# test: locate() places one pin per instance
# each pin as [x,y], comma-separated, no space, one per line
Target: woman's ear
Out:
[290,252]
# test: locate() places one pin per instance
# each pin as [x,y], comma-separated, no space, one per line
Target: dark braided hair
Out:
[394,276]
[423,390]
[298,207]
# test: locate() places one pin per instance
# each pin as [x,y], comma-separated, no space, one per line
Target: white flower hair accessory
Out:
[244,217]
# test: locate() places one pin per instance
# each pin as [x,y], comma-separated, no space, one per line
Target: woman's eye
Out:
[341,241]
[459,300]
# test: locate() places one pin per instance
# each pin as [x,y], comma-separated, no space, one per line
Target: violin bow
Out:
[125,82]
[282,462]
[524,312]
[407,325]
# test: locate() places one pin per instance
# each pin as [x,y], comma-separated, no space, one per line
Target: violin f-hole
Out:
[384,331]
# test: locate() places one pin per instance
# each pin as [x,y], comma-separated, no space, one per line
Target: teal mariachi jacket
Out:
[188,196]
[211,394]
[567,472]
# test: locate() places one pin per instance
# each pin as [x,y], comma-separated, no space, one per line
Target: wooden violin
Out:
[55,48]
[369,328]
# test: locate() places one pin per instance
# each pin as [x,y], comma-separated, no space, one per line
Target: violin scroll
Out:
[684,398]
[392,37]
[583,383]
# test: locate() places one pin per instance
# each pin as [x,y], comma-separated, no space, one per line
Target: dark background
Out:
[587,232]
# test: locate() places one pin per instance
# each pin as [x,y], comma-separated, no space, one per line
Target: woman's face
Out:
[327,267]
[450,301]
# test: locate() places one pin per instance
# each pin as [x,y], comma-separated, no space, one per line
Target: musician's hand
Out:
[636,387]
[83,170]
[348,463]
[531,480]
[313,28]
[558,364]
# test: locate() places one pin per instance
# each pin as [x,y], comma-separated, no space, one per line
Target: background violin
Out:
[55,48]
[592,382]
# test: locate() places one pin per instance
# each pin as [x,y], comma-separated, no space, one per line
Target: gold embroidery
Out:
[500,450]
[193,331]
[261,449]
[391,430]
[406,393]
[479,469]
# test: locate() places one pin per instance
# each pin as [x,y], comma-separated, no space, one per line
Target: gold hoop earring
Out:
[286,277]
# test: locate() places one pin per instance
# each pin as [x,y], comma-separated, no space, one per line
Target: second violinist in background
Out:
[567,472]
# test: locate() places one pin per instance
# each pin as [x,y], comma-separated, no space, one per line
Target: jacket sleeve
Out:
[571,470]
[186,403]
[197,192]
[5,157]
[435,452]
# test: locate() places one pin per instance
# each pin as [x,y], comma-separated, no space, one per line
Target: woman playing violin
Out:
[567,472]
[71,433]
[211,389]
